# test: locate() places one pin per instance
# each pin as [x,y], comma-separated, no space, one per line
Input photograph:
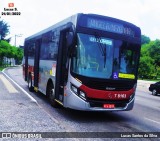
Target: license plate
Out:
[109,106]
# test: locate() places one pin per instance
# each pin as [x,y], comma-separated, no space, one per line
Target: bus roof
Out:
[73,19]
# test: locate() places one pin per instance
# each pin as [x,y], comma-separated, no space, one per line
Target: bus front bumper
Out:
[75,102]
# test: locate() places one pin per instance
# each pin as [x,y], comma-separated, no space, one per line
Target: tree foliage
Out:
[6,50]
[4,29]
[154,52]
[149,66]
[145,39]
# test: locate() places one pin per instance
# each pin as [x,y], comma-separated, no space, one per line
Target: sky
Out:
[37,15]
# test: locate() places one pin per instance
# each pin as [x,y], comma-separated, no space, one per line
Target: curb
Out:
[25,92]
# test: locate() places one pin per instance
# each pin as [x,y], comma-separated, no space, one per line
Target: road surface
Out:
[41,116]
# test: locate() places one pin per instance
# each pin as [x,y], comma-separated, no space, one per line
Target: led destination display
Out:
[109,26]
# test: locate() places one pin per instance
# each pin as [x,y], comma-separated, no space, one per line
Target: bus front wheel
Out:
[51,95]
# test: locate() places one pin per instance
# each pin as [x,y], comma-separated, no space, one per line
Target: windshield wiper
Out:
[101,47]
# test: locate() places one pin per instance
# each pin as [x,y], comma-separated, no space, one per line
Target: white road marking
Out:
[20,87]
[136,99]
[8,85]
[152,120]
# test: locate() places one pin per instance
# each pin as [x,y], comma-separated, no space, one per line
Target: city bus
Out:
[86,62]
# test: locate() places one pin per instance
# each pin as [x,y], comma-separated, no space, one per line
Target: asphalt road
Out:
[145,117]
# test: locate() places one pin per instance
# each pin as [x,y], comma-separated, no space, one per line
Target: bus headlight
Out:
[82,95]
[74,89]
[78,92]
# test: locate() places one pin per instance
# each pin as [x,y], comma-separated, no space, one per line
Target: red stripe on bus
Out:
[108,95]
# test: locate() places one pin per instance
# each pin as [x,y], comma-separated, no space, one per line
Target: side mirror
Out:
[70,37]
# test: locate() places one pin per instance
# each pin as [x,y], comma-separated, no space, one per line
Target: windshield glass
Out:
[101,57]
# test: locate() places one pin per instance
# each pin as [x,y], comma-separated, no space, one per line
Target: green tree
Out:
[145,67]
[145,39]
[150,60]
[18,55]
[6,50]
[4,29]
[154,52]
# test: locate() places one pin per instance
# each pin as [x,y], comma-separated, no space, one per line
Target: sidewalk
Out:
[18,113]
[143,83]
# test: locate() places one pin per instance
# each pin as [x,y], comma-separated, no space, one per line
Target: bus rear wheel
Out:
[51,95]
[30,87]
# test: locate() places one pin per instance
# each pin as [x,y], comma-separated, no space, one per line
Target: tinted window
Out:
[93,56]
[102,57]
[49,46]
[31,49]
[125,57]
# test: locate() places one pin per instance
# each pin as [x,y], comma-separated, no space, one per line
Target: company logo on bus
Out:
[110,88]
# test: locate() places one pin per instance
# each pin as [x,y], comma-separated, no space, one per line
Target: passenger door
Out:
[61,70]
[36,63]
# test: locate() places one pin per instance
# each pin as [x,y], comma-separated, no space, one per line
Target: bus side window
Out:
[43,51]
[49,47]
[31,49]
[53,50]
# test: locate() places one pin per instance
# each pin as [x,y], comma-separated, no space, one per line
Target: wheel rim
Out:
[51,93]
[29,83]
[154,92]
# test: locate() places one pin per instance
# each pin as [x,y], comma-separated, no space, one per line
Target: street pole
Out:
[17,35]
[15,40]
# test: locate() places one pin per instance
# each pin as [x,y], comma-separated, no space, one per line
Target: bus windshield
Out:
[101,57]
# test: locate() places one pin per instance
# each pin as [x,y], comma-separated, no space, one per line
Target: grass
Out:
[1,68]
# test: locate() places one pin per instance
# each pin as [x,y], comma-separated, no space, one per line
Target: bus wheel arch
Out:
[51,94]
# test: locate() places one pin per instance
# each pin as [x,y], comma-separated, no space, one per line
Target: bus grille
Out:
[118,86]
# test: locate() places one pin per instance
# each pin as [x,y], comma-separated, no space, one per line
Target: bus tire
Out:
[30,87]
[154,92]
[51,95]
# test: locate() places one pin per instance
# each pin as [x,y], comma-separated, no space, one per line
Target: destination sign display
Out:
[109,26]
[105,25]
